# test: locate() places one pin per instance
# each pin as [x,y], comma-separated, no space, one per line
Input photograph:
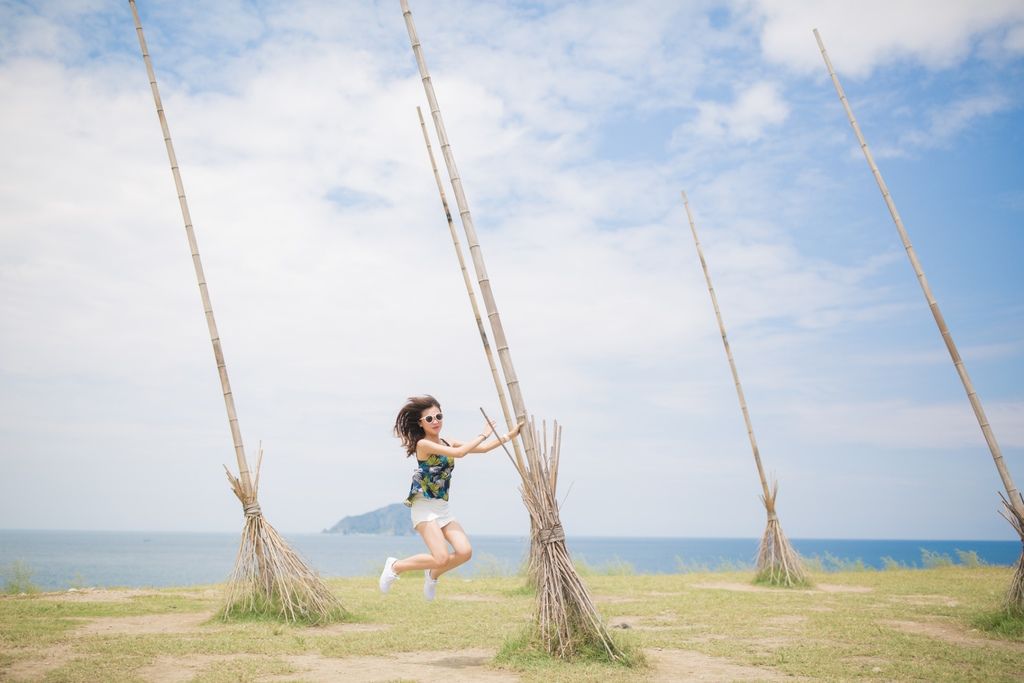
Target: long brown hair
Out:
[407,424]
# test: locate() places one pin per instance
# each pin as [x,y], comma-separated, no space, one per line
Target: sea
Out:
[57,560]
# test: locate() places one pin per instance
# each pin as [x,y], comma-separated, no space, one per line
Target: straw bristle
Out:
[778,563]
[1014,602]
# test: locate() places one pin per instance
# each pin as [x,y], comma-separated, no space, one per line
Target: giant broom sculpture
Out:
[1013,502]
[566,616]
[777,562]
[269,577]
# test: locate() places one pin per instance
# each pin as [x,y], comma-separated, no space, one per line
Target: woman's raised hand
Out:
[515,430]
[488,429]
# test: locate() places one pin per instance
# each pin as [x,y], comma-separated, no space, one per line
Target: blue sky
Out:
[575,126]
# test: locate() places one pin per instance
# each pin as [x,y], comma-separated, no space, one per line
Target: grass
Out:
[771,579]
[1000,623]
[18,578]
[523,651]
[937,624]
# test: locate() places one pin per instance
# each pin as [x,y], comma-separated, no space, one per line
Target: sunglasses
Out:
[431,418]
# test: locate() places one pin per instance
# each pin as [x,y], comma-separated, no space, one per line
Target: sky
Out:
[575,126]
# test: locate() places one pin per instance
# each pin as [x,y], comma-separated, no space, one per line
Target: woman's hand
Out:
[513,433]
[488,429]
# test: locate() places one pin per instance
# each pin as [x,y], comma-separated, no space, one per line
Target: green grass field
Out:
[935,624]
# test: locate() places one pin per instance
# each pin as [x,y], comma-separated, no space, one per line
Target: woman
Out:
[419,427]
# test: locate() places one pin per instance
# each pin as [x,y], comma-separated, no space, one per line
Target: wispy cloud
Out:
[754,109]
[952,119]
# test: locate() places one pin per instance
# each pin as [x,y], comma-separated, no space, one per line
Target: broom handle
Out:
[218,354]
[504,356]
[469,290]
[728,353]
[947,337]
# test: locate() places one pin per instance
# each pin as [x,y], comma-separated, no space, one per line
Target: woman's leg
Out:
[456,535]
[436,544]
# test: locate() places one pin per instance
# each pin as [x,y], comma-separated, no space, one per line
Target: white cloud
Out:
[332,275]
[861,36]
[887,423]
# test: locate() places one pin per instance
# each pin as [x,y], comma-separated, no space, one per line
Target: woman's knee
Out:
[440,560]
[463,555]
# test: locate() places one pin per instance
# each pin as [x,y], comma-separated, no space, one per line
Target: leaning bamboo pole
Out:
[268,576]
[566,617]
[479,267]
[1013,503]
[777,562]
[502,398]
[476,255]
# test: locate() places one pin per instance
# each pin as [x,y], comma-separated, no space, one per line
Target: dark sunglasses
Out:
[431,418]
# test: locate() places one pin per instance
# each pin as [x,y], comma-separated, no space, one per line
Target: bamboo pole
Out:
[218,353]
[483,280]
[728,350]
[480,269]
[1014,502]
[979,412]
[777,561]
[469,290]
[269,577]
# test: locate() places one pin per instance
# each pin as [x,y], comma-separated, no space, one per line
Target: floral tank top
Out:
[432,477]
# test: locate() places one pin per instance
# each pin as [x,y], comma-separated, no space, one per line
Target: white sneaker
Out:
[388,576]
[429,585]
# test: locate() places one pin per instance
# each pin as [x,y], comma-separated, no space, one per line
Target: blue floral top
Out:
[432,478]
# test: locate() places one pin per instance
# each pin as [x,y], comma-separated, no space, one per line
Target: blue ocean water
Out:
[59,559]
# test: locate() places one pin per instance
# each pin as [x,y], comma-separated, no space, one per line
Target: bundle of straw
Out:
[269,577]
[777,562]
[566,618]
[1014,602]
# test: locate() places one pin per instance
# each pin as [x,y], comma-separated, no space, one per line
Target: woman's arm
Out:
[491,445]
[426,447]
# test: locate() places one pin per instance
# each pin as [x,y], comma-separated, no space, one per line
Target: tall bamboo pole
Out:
[269,577]
[218,353]
[1014,501]
[469,289]
[483,280]
[777,562]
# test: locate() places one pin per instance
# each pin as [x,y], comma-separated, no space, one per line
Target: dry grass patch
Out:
[430,666]
[38,664]
[688,665]
[953,633]
[98,595]
[147,624]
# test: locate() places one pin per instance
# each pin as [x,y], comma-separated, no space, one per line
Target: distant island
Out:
[392,520]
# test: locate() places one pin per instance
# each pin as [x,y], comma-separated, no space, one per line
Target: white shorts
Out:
[430,510]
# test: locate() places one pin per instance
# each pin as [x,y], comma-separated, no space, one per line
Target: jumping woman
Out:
[419,427]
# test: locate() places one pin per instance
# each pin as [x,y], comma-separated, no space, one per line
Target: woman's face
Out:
[430,420]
